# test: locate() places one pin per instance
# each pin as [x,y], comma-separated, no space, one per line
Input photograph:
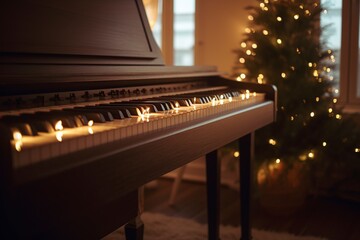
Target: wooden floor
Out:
[322,217]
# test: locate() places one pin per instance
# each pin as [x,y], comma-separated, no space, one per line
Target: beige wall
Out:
[220,28]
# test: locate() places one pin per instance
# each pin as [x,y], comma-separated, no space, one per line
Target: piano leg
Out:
[134,230]
[245,150]
[213,194]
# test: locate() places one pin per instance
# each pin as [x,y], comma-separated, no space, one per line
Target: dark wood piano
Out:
[89,113]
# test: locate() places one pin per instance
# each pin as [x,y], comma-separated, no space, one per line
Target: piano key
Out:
[144,108]
[116,113]
[134,110]
[104,112]
[89,114]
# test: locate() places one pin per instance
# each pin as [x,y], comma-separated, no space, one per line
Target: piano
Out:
[89,113]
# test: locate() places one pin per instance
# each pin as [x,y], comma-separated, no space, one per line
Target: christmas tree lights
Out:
[282,46]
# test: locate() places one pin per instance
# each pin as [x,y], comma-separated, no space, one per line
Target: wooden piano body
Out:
[60,53]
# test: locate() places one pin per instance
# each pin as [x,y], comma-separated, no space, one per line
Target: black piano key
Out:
[14,123]
[143,106]
[89,114]
[182,101]
[68,120]
[160,105]
[38,123]
[117,114]
[126,113]
[134,111]
[106,113]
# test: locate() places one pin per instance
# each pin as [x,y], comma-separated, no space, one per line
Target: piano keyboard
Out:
[41,134]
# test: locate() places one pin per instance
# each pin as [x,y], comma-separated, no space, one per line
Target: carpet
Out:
[161,227]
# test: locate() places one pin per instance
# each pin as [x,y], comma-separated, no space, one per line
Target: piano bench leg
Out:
[246,152]
[134,230]
[213,195]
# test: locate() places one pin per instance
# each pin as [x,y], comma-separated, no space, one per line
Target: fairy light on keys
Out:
[17,136]
[221,99]
[177,105]
[90,124]
[145,115]
[247,94]
[59,134]
[213,102]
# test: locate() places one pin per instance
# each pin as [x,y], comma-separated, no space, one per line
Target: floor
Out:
[334,219]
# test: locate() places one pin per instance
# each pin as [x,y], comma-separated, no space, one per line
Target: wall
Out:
[220,28]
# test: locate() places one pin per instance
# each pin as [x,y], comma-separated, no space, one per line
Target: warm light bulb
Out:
[242,60]
[311,155]
[357,150]
[338,116]
[279,41]
[254,45]
[247,30]
[265,32]
[292,118]
[315,73]
[317,99]
[236,154]
[250,17]
[334,100]
[213,102]
[283,75]
[310,64]
[59,136]
[312,114]
[272,142]
[90,123]
[18,146]
[17,136]
[59,126]
[330,110]
[243,44]
[278,160]
[324,144]
[279,19]
[296,16]
[90,130]
[248,52]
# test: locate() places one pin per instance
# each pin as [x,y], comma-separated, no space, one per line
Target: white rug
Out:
[161,227]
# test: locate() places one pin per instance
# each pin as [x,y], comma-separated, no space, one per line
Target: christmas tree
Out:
[282,46]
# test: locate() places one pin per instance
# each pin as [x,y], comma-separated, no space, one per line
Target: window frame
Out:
[348,98]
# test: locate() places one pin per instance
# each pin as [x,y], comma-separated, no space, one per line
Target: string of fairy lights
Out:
[321,71]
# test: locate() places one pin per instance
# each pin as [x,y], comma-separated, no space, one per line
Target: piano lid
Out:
[97,32]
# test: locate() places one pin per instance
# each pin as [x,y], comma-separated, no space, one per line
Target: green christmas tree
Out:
[282,46]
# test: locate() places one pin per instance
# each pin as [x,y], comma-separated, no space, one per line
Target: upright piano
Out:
[89,113]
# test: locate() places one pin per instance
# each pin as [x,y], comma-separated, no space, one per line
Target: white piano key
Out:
[54,149]
[89,142]
[45,152]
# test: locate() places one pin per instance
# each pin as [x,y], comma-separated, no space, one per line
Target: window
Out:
[184,32]
[343,17]
[331,23]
